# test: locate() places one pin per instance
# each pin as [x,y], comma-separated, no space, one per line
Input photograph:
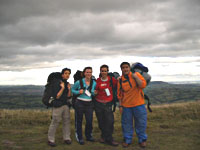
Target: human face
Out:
[125,69]
[88,73]
[104,72]
[66,75]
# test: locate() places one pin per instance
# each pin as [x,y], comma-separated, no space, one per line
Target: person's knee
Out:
[56,119]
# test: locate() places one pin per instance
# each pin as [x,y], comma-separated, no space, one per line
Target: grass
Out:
[170,127]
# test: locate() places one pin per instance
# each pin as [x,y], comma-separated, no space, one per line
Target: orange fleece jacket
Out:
[131,97]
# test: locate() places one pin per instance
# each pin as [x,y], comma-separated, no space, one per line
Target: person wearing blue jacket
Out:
[84,89]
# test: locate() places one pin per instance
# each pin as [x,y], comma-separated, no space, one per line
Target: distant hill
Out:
[158,82]
[29,96]
[162,92]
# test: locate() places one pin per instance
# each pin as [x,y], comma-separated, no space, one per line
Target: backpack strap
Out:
[90,89]
[113,100]
[81,83]
[148,102]
[120,83]
[90,86]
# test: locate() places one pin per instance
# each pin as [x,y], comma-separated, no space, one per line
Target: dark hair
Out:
[85,70]
[104,66]
[124,63]
[65,69]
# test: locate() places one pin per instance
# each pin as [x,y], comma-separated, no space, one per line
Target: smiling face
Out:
[125,69]
[104,72]
[88,73]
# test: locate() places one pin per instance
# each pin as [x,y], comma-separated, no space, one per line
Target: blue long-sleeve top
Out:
[84,97]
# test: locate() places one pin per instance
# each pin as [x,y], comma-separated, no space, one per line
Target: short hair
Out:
[125,63]
[65,69]
[104,66]
[86,69]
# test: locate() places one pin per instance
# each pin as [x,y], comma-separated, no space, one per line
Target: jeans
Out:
[139,114]
[83,108]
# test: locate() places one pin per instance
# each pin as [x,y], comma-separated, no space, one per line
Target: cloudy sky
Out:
[38,37]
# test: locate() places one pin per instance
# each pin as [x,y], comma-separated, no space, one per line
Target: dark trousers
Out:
[105,119]
[83,108]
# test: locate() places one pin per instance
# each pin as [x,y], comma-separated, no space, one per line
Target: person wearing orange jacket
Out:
[132,105]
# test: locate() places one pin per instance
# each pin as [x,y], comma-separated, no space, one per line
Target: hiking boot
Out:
[125,145]
[113,143]
[52,144]
[91,139]
[143,144]
[68,142]
[102,140]
[81,142]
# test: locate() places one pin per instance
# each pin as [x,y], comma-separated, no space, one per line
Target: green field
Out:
[170,127]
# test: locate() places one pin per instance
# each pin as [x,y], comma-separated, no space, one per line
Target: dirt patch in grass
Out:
[10,144]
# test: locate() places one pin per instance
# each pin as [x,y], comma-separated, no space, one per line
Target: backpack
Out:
[114,89]
[138,67]
[143,70]
[79,76]
[47,97]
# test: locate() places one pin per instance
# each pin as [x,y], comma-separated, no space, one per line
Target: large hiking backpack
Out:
[47,97]
[138,67]
[78,75]
[143,70]
[114,89]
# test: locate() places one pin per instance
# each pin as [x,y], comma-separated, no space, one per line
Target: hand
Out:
[119,78]
[95,92]
[81,91]
[62,84]
[134,76]
[69,86]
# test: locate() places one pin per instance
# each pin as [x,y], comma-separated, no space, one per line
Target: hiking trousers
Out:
[58,114]
[139,114]
[105,119]
[83,108]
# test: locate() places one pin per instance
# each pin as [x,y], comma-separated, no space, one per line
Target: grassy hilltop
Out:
[170,127]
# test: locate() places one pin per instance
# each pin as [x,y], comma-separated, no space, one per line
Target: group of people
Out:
[97,96]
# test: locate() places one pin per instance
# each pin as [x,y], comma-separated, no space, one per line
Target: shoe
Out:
[113,143]
[91,139]
[52,144]
[81,142]
[125,145]
[143,144]
[68,142]
[102,140]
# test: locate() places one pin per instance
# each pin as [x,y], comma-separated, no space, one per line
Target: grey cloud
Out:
[36,32]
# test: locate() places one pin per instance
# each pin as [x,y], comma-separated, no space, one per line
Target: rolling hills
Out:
[29,96]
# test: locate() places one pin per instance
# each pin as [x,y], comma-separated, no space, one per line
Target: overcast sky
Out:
[41,36]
